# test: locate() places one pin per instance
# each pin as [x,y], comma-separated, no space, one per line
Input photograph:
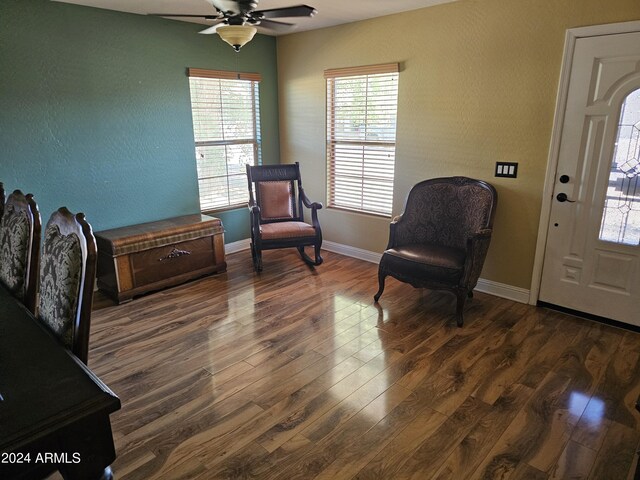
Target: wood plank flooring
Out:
[296,374]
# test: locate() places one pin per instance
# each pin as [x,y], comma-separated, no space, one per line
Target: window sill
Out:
[224,209]
[361,212]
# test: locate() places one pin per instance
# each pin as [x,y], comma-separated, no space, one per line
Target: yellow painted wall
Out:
[478,84]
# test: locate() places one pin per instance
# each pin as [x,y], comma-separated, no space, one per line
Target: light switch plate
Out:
[506,169]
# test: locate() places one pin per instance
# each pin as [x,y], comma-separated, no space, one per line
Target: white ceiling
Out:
[330,12]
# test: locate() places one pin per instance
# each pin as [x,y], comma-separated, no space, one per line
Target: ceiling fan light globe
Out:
[236,35]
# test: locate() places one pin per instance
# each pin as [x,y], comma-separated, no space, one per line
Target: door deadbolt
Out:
[564,179]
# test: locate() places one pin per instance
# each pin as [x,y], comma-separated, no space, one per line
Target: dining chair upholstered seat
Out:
[276,202]
[67,280]
[20,247]
[441,239]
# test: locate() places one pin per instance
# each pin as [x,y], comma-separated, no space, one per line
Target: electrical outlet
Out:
[506,169]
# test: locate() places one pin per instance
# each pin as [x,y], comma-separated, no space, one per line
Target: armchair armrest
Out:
[254,209]
[314,206]
[254,214]
[392,231]
[477,247]
[308,203]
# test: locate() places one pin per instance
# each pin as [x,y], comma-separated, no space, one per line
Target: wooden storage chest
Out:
[140,258]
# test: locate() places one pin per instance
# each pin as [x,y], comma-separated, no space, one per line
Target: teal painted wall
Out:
[95,110]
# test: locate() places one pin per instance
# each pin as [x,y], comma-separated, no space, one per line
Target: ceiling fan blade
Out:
[275,26]
[212,29]
[207,17]
[234,7]
[297,11]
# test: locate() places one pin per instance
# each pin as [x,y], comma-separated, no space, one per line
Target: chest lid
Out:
[136,238]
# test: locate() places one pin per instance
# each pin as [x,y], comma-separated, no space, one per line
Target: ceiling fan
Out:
[236,20]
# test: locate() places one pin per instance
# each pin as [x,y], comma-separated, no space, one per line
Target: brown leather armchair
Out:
[441,239]
[276,198]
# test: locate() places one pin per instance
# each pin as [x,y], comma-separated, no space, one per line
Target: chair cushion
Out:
[274,231]
[275,200]
[431,262]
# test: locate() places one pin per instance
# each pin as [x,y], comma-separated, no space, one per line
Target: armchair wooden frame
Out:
[295,231]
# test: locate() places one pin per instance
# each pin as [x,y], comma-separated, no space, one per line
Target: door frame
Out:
[572,35]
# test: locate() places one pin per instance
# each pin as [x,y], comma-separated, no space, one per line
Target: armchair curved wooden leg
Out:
[461,297]
[307,259]
[304,256]
[381,277]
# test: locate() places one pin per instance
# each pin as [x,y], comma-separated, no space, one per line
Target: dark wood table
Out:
[54,411]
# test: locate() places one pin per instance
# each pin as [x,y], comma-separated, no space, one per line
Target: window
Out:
[362,103]
[226,130]
[621,214]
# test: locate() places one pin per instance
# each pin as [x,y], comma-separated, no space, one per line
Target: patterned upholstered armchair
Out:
[67,280]
[20,247]
[276,198]
[441,239]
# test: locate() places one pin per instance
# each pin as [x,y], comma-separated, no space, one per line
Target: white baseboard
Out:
[352,252]
[517,294]
[238,246]
[502,290]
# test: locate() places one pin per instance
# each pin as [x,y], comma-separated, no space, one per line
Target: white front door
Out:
[592,255]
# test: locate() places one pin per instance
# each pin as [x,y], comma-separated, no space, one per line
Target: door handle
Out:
[562,197]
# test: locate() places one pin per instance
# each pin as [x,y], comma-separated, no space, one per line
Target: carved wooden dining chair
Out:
[441,239]
[2,199]
[67,280]
[20,247]
[276,200]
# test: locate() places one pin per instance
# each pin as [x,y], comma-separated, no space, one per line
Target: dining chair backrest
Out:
[67,280]
[20,247]
[2,199]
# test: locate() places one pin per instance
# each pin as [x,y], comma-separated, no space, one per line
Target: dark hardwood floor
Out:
[296,374]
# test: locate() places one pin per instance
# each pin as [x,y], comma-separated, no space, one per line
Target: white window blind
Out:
[226,130]
[362,104]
